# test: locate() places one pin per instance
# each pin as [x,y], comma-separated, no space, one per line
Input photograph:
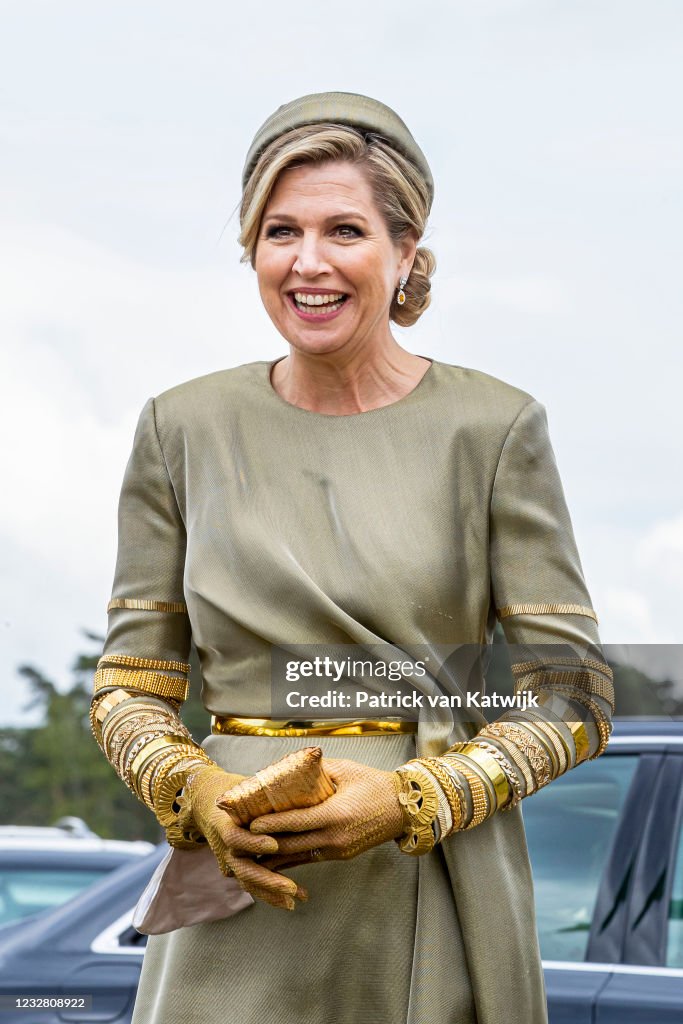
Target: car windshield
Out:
[26,891]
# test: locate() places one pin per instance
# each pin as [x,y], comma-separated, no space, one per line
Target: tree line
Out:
[56,768]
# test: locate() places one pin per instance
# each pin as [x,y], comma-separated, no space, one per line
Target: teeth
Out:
[306,299]
[330,308]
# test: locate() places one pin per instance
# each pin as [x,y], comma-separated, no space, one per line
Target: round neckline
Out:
[342,416]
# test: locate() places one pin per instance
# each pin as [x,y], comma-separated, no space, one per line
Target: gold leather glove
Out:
[234,847]
[364,812]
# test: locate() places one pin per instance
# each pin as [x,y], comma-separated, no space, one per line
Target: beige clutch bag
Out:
[188,888]
[296,780]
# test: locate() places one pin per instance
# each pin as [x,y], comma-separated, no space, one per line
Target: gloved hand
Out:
[364,812]
[234,847]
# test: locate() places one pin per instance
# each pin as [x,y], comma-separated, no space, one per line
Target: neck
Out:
[343,383]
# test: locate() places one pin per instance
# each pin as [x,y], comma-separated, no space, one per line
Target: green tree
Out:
[57,769]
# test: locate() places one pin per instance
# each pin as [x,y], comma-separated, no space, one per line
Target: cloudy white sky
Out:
[553,131]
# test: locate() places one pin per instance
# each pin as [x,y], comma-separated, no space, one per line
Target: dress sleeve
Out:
[541,600]
[148,638]
[142,676]
[544,608]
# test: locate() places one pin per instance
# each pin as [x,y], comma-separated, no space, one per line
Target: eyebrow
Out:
[346,215]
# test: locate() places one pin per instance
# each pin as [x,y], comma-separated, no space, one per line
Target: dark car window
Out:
[674,939]
[30,891]
[570,825]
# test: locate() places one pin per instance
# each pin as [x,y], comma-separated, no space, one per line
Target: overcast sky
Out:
[553,132]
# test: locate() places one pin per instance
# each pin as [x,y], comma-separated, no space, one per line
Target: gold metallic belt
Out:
[221,724]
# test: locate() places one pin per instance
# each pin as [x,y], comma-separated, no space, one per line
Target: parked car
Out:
[41,868]
[606,846]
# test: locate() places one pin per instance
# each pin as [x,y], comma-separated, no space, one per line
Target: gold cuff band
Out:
[558,705]
[108,703]
[513,753]
[454,796]
[479,792]
[158,765]
[128,661]
[508,768]
[544,743]
[557,741]
[521,668]
[130,710]
[591,683]
[150,682]
[489,765]
[419,802]
[534,752]
[602,721]
[170,740]
[168,787]
[100,708]
[581,741]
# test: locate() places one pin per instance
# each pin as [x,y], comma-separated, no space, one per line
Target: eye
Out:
[348,231]
[278,231]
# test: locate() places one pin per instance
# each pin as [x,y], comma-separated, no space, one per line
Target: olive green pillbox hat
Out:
[347,108]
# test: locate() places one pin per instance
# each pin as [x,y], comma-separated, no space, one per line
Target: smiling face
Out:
[327,267]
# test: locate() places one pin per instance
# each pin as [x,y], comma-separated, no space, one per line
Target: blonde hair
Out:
[400,192]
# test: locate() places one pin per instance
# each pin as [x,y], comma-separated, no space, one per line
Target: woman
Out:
[348,493]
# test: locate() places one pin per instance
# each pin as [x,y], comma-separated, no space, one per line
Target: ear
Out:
[407,248]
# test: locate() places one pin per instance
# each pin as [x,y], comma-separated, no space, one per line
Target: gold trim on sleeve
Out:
[140,605]
[154,663]
[545,609]
[155,683]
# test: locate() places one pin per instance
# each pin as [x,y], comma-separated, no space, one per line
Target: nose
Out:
[310,259]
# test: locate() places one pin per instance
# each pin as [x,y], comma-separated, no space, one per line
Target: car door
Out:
[647,987]
[580,841]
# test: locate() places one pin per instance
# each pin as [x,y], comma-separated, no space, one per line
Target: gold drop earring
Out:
[401,297]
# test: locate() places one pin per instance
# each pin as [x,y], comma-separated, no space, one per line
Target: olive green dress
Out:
[253,523]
